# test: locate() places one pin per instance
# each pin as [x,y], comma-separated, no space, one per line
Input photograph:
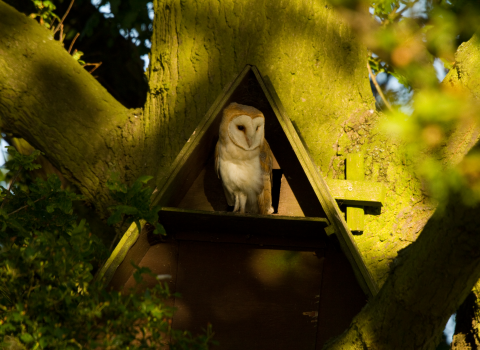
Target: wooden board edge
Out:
[375,198]
[196,136]
[118,255]
[327,201]
[231,214]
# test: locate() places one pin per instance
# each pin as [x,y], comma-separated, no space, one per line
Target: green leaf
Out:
[159,229]
[127,209]
[139,227]
[77,55]
[115,218]
[145,178]
[29,252]
[26,338]
[79,228]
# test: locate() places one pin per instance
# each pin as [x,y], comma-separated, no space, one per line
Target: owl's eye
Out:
[240,127]
[258,127]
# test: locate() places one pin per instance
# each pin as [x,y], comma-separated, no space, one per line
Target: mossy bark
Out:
[47,98]
[464,77]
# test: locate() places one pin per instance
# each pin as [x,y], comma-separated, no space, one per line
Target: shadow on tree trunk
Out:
[466,337]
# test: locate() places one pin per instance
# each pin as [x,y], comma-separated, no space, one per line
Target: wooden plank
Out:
[176,220]
[355,168]
[355,171]
[161,259]
[356,218]
[357,192]
[321,189]
[222,283]
[135,254]
[118,255]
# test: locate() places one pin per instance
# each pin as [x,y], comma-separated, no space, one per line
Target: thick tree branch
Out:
[428,282]
[47,98]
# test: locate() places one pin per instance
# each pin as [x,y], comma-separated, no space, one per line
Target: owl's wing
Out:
[217,162]
[266,164]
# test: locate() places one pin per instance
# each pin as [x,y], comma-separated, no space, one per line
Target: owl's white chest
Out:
[241,171]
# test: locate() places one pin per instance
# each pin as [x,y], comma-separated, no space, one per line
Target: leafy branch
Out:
[47,18]
[48,297]
[133,204]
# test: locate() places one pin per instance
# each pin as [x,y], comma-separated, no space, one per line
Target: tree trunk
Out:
[464,77]
[467,335]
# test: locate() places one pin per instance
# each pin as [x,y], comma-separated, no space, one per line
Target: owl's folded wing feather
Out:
[266,158]
[266,164]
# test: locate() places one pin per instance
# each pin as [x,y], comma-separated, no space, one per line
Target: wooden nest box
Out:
[290,280]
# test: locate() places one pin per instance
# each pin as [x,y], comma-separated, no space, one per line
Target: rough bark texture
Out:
[47,98]
[467,335]
[313,59]
[465,76]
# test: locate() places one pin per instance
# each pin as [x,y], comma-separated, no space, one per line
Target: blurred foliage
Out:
[45,13]
[404,37]
[133,204]
[48,296]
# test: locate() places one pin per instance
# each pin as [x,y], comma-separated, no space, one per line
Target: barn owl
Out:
[243,160]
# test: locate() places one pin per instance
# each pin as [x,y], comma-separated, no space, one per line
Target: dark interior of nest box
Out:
[263,282]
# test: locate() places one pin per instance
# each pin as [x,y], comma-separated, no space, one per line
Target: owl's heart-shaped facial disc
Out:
[247,133]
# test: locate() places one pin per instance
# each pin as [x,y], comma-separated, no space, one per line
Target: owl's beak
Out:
[249,136]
